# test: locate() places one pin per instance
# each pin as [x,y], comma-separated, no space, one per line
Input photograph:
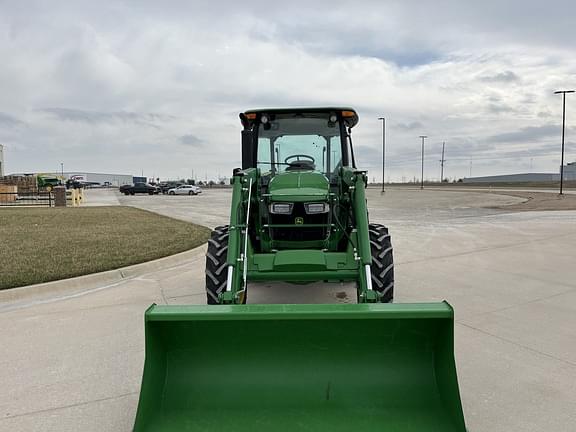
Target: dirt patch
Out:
[539,201]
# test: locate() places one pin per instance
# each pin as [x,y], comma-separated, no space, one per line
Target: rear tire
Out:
[382,267]
[216,265]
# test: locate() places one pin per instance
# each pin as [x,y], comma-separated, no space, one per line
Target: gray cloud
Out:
[191,140]
[409,126]
[499,108]
[526,135]
[7,120]
[135,74]
[502,77]
[69,114]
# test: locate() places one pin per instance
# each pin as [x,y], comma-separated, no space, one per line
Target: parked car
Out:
[139,188]
[185,190]
[166,186]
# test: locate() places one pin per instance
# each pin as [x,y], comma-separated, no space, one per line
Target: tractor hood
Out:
[299,186]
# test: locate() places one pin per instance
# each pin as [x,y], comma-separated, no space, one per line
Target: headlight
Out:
[315,208]
[281,208]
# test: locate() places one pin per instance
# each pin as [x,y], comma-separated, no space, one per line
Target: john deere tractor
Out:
[299,210]
[299,214]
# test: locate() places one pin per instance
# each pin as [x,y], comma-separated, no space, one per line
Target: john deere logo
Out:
[299,221]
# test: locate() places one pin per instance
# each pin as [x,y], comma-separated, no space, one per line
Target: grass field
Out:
[45,244]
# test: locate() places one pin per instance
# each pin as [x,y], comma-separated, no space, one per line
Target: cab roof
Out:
[350,115]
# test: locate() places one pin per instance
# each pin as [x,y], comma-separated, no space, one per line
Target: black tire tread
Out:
[382,267]
[216,268]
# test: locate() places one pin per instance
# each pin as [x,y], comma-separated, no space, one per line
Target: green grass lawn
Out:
[45,244]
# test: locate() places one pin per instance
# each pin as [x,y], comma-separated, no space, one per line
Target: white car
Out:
[185,190]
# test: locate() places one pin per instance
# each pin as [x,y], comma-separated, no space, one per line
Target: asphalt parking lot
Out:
[74,362]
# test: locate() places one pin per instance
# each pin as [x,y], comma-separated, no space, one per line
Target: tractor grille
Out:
[297,231]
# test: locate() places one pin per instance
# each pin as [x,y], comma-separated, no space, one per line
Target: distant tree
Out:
[190,182]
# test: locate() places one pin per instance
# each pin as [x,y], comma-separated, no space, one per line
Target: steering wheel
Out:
[307,158]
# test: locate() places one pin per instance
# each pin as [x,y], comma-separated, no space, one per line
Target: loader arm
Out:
[239,245]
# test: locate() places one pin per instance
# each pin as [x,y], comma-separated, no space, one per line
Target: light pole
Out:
[422,178]
[62,169]
[563,92]
[383,149]
[442,163]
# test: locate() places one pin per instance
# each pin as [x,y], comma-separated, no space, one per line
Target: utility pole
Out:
[62,169]
[442,163]
[563,92]
[422,178]
[383,149]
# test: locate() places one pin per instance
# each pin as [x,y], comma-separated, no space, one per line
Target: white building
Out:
[513,178]
[569,174]
[99,179]
[570,171]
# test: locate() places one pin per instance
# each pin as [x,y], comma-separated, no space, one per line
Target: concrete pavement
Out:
[74,363]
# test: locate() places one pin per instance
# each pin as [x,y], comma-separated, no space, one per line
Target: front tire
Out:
[216,272]
[216,265]
[382,267]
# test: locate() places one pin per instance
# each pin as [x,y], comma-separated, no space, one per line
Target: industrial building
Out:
[98,179]
[570,171]
[95,179]
[514,178]
[569,174]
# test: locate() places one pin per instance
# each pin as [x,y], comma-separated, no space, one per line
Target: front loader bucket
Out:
[353,367]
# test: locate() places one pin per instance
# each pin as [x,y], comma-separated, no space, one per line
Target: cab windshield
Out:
[299,142]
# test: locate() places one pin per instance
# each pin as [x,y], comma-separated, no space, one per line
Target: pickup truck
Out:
[139,188]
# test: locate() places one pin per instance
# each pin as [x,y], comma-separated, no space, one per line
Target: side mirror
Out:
[248,149]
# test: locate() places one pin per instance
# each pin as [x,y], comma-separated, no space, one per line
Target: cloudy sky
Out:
[156,86]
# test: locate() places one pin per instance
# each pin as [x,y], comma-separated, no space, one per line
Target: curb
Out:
[92,281]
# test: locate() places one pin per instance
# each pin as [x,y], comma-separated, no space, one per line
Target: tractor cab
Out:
[278,141]
[299,154]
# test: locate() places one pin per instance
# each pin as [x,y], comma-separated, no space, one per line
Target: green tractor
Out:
[299,215]
[299,210]
[47,182]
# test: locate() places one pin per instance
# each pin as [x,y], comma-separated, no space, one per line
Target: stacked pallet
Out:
[25,184]
[8,193]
